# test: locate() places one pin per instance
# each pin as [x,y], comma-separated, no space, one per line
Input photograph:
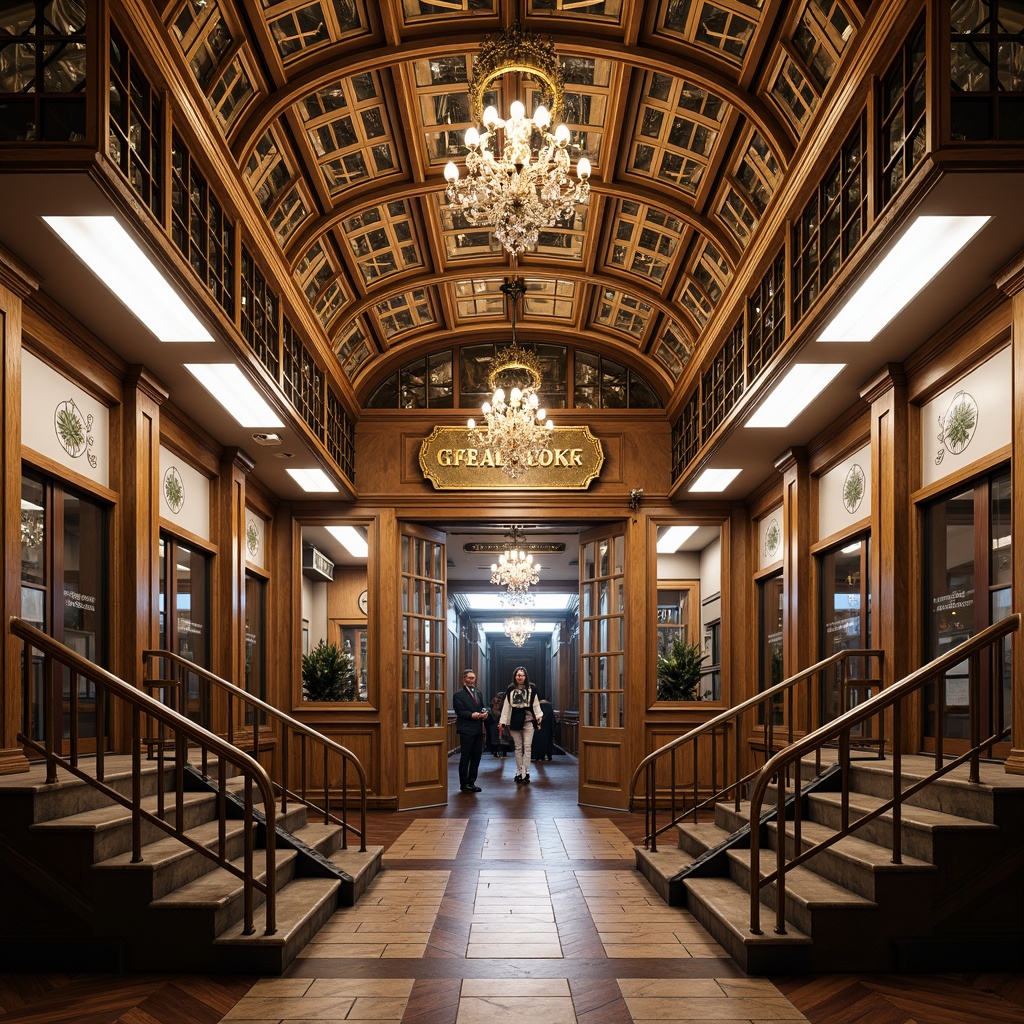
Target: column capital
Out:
[888,377]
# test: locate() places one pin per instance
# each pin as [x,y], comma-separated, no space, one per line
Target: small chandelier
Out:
[516,425]
[517,189]
[518,629]
[517,572]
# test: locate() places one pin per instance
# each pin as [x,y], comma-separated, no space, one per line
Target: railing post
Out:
[897,784]
[248,927]
[136,785]
[652,807]
[285,774]
[780,856]
[974,684]
[50,718]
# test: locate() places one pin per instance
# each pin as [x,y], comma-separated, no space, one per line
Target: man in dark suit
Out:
[470,717]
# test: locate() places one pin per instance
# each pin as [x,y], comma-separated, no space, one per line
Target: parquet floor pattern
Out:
[514,902]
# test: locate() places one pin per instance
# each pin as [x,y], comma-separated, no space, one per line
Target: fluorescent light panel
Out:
[114,257]
[925,248]
[673,538]
[227,383]
[715,479]
[351,539]
[491,602]
[801,385]
[499,626]
[312,480]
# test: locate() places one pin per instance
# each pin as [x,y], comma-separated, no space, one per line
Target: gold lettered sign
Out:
[570,460]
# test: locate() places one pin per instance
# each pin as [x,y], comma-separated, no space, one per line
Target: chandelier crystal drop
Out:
[516,571]
[518,172]
[518,629]
[515,426]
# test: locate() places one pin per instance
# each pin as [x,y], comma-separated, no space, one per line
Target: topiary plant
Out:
[679,672]
[328,673]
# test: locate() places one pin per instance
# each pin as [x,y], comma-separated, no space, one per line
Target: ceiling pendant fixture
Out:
[518,629]
[517,172]
[516,571]
[515,426]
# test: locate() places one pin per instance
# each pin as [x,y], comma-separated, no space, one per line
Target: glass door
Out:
[64,589]
[968,563]
[423,776]
[771,607]
[185,618]
[603,772]
[845,618]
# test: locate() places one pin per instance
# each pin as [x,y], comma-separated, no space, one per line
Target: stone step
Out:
[103,832]
[209,906]
[303,907]
[925,830]
[168,863]
[860,866]
[815,904]
[723,909]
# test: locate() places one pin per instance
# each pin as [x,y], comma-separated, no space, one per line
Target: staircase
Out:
[78,902]
[956,902]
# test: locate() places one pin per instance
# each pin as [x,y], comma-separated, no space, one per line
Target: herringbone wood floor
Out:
[435,998]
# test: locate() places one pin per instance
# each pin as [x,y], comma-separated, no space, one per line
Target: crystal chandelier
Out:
[517,572]
[516,425]
[518,629]
[515,188]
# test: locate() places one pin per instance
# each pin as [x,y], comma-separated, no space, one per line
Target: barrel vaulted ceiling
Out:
[341,114]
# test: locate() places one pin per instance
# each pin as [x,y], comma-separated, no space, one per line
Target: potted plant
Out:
[328,673]
[679,672]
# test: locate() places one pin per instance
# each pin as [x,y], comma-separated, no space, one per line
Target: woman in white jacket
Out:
[520,714]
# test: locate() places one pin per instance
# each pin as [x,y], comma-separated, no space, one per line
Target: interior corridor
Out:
[510,904]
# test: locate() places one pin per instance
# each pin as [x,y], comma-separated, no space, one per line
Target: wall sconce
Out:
[635,497]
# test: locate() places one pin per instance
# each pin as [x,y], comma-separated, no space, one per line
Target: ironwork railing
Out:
[768,720]
[53,676]
[313,747]
[784,769]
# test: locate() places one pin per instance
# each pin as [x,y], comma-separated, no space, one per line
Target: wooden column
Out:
[1013,285]
[798,641]
[228,660]
[894,628]
[137,544]
[16,285]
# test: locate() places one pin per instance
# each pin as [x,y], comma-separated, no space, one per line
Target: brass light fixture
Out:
[516,425]
[516,571]
[517,172]
[518,629]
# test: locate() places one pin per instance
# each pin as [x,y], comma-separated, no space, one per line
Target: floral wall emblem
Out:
[853,488]
[957,425]
[252,537]
[73,430]
[174,490]
[772,539]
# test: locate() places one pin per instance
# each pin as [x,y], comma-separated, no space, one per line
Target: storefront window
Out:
[845,617]
[968,561]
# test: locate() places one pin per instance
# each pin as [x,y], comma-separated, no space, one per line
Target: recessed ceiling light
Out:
[353,540]
[312,479]
[801,385]
[673,538]
[925,248]
[115,258]
[226,382]
[715,479]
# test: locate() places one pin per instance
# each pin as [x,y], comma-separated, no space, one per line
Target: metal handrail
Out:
[183,734]
[288,727]
[786,763]
[732,720]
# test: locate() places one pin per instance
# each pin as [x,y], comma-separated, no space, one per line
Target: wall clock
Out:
[362,602]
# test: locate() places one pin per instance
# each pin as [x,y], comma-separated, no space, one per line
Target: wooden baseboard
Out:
[13,761]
